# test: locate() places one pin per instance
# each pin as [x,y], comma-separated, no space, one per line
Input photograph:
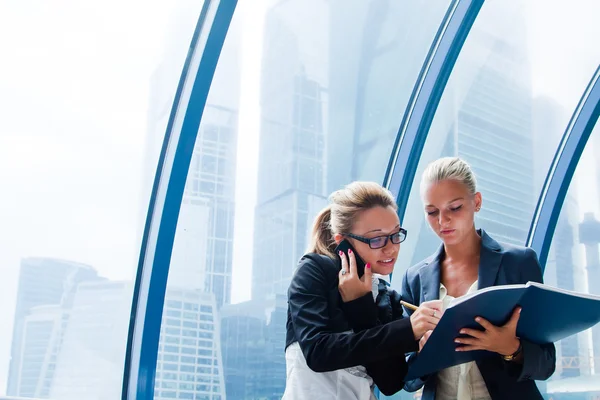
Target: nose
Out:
[389,247]
[443,218]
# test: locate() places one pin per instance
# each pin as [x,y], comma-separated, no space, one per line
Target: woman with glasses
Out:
[345,332]
[468,260]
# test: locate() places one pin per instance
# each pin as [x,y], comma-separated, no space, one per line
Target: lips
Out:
[447,231]
[387,261]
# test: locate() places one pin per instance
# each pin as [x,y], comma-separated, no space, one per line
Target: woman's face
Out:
[371,223]
[450,210]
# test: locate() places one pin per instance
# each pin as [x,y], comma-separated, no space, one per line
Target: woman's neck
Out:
[467,249]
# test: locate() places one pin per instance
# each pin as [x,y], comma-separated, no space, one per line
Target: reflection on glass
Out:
[80,164]
[504,113]
[504,110]
[333,79]
[45,299]
[573,264]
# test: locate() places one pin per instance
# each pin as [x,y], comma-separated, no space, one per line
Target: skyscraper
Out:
[42,282]
[253,343]
[335,81]
[210,185]
[565,266]
[589,235]
[90,363]
[189,361]
[41,342]
[292,163]
[484,117]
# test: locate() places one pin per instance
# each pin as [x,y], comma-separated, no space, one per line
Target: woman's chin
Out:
[384,268]
[450,239]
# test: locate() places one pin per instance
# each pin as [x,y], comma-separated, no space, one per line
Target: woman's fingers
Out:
[352,260]
[344,269]
[422,323]
[431,322]
[424,339]
[433,305]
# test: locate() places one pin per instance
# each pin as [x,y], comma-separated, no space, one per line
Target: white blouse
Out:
[302,383]
[464,381]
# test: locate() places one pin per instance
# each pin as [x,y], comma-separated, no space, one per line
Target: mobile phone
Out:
[344,246]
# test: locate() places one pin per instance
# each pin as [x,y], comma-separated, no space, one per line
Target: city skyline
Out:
[46,287]
[76,170]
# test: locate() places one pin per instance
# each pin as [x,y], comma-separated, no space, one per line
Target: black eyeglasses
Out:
[381,241]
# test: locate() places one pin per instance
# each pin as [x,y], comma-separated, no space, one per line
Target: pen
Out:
[408,305]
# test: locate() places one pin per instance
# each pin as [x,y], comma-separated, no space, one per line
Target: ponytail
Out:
[345,206]
[322,241]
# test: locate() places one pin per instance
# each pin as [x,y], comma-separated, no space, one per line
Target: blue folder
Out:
[548,314]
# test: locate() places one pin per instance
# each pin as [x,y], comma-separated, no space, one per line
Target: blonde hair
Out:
[449,168]
[344,207]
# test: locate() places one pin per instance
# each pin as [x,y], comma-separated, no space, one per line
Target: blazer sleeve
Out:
[388,374]
[414,384]
[539,361]
[326,350]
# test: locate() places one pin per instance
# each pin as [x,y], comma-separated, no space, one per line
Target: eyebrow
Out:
[451,201]
[379,230]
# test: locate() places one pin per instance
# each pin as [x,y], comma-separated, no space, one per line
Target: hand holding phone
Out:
[353,285]
[344,246]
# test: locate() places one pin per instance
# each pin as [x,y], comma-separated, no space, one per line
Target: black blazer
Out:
[498,265]
[335,335]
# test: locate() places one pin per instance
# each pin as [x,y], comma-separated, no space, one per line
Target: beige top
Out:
[464,381]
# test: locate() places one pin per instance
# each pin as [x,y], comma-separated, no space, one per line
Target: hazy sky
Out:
[73,100]
[74,83]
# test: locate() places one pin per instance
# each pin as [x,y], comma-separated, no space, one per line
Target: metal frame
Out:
[426,96]
[184,122]
[562,169]
[167,194]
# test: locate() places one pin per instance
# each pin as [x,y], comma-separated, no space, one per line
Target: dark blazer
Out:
[498,265]
[334,335]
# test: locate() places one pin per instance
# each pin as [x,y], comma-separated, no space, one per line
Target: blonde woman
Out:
[345,332]
[467,260]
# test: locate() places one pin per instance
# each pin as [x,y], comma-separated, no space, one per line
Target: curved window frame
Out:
[426,96]
[167,194]
[182,130]
[563,167]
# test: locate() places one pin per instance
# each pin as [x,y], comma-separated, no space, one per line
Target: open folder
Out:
[548,315]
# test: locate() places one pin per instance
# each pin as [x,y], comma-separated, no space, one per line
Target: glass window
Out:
[190,315]
[186,368]
[573,265]
[85,96]
[169,385]
[188,350]
[189,324]
[520,75]
[189,360]
[170,357]
[171,349]
[308,95]
[170,367]
[173,331]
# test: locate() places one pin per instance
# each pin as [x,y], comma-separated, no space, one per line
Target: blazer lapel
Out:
[430,277]
[489,261]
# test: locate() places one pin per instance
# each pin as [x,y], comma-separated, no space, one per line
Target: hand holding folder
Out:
[548,315]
